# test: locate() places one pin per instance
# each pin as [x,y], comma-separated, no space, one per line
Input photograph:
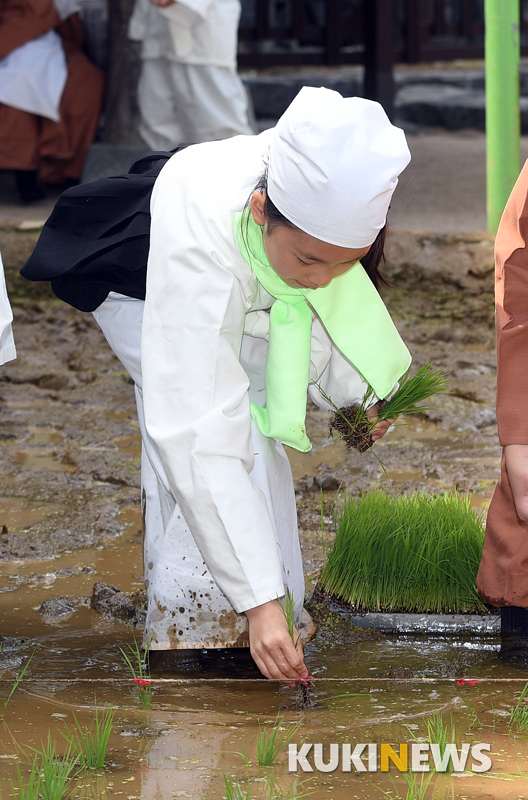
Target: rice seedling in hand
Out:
[412,553]
[138,663]
[518,720]
[288,609]
[441,734]
[305,684]
[355,423]
[91,744]
[18,678]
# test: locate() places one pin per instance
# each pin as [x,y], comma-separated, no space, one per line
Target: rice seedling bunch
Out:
[233,789]
[519,714]
[267,790]
[137,661]
[273,740]
[441,733]
[352,422]
[56,770]
[413,553]
[416,787]
[30,789]
[288,609]
[91,744]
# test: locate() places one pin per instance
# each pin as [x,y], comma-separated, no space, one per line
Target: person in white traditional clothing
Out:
[189,89]
[7,342]
[50,94]
[254,296]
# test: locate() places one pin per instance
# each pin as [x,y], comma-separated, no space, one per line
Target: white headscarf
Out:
[333,166]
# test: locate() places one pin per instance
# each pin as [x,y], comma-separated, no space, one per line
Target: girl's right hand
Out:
[271,645]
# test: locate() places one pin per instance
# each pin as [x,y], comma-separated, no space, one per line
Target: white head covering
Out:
[333,166]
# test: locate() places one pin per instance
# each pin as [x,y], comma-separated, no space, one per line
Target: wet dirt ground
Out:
[69,519]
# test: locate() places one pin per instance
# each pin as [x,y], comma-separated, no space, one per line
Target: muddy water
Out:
[368,688]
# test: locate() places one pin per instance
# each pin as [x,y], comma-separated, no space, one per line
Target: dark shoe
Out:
[28,188]
[514,635]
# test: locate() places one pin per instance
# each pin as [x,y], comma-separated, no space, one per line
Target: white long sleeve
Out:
[197,411]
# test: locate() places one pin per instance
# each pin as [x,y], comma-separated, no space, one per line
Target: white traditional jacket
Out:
[203,356]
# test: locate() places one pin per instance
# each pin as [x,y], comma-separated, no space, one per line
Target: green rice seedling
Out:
[288,609]
[18,678]
[55,770]
[353,424]
[273,740]
[416,786]
[413,553]
[233,790]
[30,789]
[519,714]
[91,744]
[441,734]
[138,663]
[267,790]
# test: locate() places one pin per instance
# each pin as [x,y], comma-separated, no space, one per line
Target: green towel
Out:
[355,318]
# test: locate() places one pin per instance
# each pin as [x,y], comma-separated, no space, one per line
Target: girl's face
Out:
[301,260]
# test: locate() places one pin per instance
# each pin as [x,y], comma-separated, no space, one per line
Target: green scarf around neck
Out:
[354,317]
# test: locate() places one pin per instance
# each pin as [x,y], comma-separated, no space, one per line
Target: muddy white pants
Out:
[186,609]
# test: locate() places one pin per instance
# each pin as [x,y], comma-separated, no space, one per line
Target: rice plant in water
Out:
[353,424]
[273,740]
[233,790]
[416,787]
[138,663]
[90,744]
[413,553]
[263,790]
[519,714]
[440,733]
[14,686]
[56,770]
[30,789]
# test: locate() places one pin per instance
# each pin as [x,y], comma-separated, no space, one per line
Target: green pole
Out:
[503,125]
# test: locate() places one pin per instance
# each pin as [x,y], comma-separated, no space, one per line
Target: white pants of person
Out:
[186,609]
[190,103]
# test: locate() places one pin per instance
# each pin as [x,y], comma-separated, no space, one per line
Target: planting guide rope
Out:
[252,681]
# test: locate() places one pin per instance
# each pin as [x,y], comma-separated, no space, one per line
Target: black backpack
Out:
[96,239]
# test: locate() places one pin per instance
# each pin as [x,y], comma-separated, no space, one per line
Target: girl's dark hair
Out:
[371,262]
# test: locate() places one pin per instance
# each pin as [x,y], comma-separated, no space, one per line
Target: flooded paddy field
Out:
[70,520]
